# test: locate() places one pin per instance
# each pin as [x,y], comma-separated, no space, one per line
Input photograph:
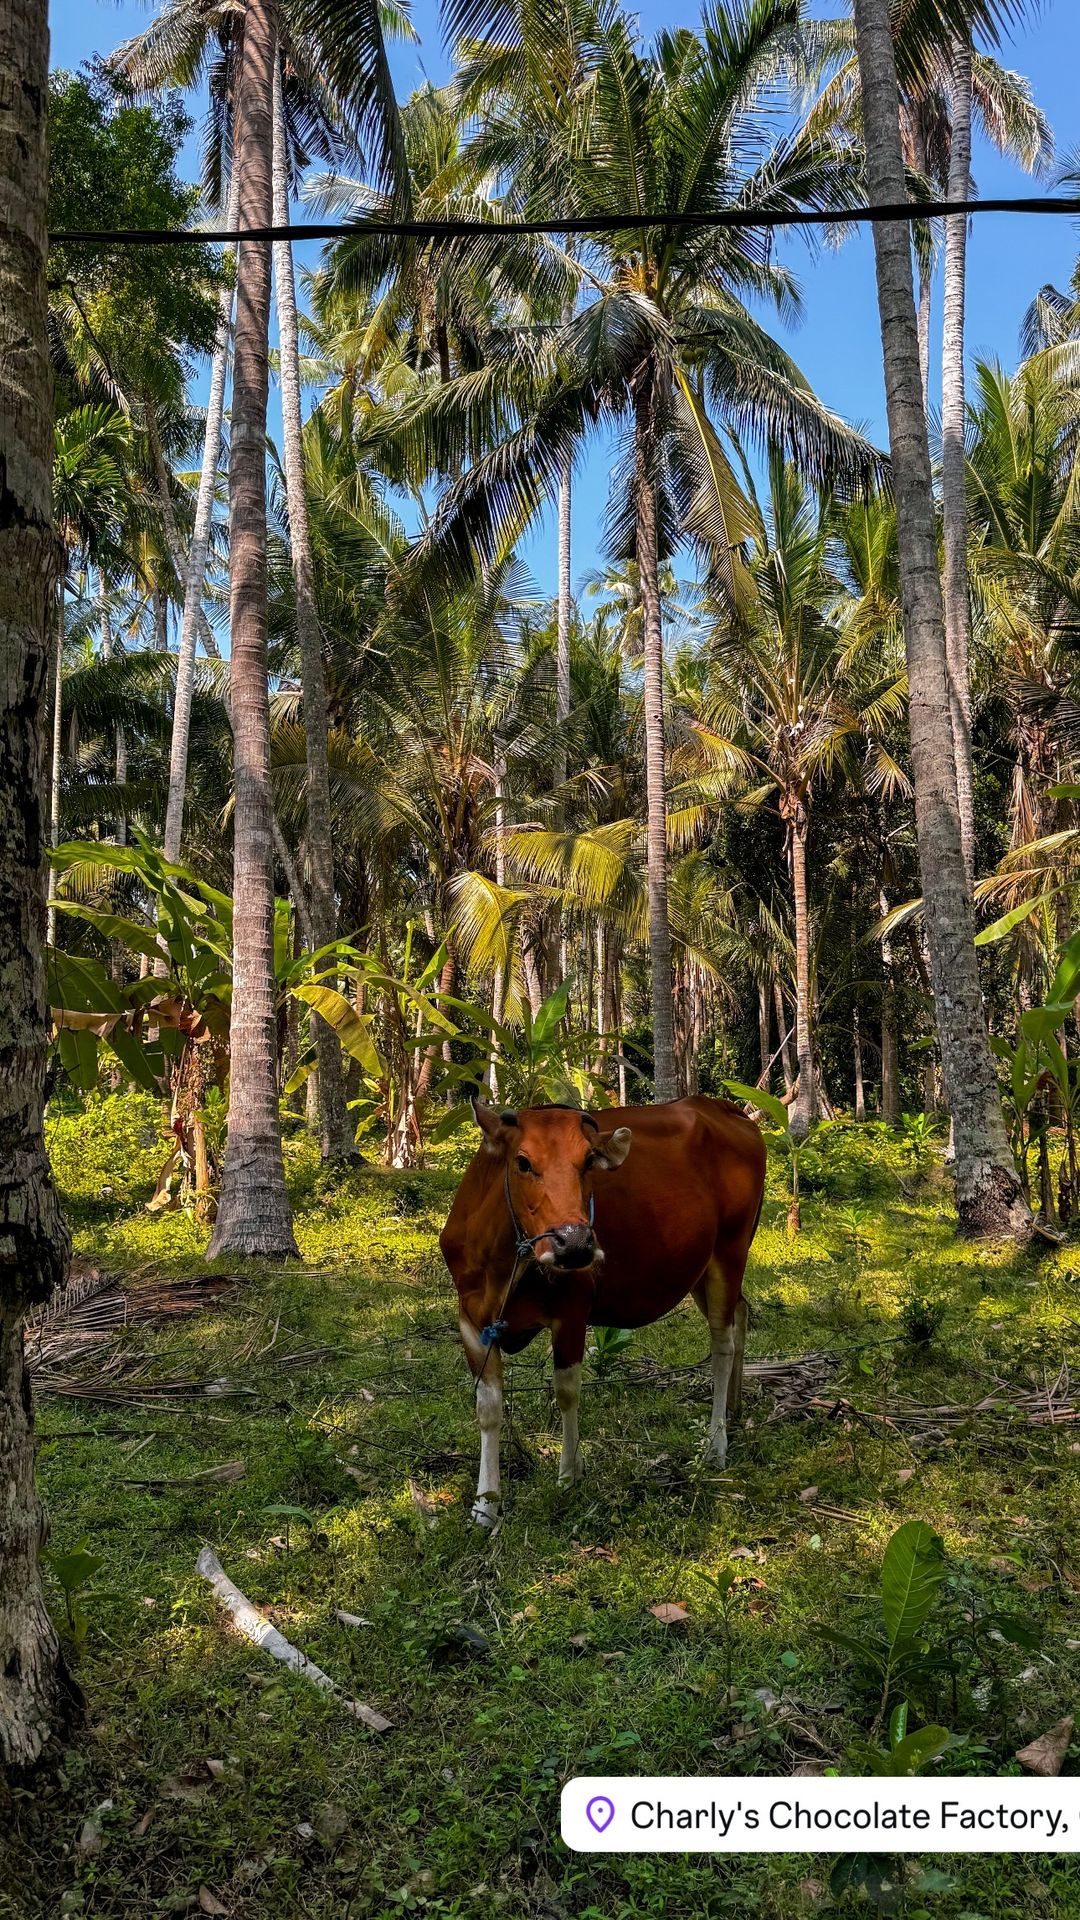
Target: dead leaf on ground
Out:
[143,1826]
[209,1902]
[1046,1755]
[350,1619]
[905,1474]
[669,1613]
[808,1494]
[92,1831]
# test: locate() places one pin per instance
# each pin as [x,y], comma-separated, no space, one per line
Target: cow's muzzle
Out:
[569,1247]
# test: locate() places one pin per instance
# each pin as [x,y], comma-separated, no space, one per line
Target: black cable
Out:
[437,230]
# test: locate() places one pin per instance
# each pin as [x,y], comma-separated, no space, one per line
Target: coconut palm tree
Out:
[947,86]
[331,89]
[662,340]
[34,1245]
[253,1217]
[988,1192]
[792,702]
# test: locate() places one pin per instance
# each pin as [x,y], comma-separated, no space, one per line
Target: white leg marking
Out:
[723,1360]
[489,1408]
[568,1395]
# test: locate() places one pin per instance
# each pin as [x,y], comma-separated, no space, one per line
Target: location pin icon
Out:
[600,1812]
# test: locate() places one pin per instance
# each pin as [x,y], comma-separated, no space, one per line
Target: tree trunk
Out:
[195,571]
[337,1135]
[56,681]
[890,1089]
[562,649]
[763,1023]
[661,982]
[988,1193]
[926,292]
[805,1107]
[954,512]
[253,1214]
[33,1240]
[782,1033]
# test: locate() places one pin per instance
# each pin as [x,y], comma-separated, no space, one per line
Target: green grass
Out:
[456,1810]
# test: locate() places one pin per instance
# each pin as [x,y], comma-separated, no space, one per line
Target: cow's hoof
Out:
[486,1514]
[718,1452]
[573,1474]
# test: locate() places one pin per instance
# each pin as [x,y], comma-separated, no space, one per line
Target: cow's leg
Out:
[718,1295]
[568,1348]
[486,1364]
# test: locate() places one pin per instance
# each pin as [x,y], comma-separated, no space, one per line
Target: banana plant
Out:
[1035,1064]
[168,1031]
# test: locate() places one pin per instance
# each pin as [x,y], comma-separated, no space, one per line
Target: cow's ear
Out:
[611,1149]
[493,1123]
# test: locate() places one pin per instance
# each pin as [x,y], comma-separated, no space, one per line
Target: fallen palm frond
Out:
[82,1315]
[796,1390]
[792,1383]
[256,1627]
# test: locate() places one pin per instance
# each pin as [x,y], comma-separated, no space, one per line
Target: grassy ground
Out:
[456,1810]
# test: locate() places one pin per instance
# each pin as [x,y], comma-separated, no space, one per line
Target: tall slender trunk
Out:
[782,1032]
[763,1024]
[33,1240]
[562,647]
[56,683]
[925,271]
[856,1023]
[661,981]
[890,1087]
[954,512]
[500,977]
[253,1213]
[988,1193]
[805,1107]
[121,738]
[337,1135]
[926,294]
[195,571]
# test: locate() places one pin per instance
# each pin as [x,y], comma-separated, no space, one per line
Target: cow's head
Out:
[551,1155]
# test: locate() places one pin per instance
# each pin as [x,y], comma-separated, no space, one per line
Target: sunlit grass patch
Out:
[508,1664]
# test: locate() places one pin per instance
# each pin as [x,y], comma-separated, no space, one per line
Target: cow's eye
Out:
[590,1161]
[524,1166]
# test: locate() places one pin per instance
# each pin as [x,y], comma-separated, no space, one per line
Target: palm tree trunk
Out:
[953,481]
[562,648]
[926,292]
[34,1244]
[56,681]
[890,1088]
[763,1023]
[337,1135]
[195,571]
[782,1031]
[253,1213]
[805,1106]
[988,1193]
[661,982]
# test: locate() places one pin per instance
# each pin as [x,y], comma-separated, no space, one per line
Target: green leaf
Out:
[73,1570]
[552,1011]
[912,1754]
[912,1571]
[450,1123]
[79,1057]
[131,933]
[353,1029]
[78,984]
[1000,928]
[132,1052]
[757,1097]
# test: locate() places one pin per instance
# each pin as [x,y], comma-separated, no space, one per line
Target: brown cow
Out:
[566,1221]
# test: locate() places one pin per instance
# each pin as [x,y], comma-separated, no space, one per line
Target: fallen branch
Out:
[256,1627]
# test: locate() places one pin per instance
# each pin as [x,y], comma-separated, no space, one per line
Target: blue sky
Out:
[837,343]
